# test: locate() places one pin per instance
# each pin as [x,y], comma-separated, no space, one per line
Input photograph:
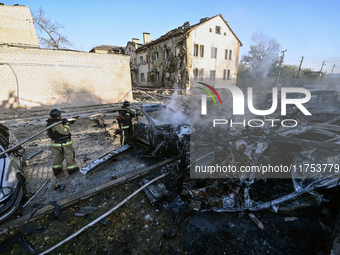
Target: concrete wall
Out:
[62,78]
[16,26]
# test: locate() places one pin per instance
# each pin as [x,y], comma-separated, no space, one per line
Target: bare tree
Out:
[48,31]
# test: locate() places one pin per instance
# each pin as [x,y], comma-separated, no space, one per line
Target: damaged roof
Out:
[186,28]
[108,48]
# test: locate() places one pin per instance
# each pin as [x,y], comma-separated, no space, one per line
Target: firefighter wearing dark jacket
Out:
[125,123]
[61,144]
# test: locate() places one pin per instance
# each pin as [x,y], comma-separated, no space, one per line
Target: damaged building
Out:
[208,50]
[34,77]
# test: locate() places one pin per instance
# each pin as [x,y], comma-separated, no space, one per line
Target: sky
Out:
[303,28]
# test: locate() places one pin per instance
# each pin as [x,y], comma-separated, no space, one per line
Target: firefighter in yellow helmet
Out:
[125,123]
[61,144]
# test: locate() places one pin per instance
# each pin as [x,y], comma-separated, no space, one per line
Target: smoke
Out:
[262,58]
[174,114]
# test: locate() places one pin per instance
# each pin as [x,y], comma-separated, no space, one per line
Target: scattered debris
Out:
[290,218]
[62,187]
[105,221]
[85,211]
[155,192]
[34,154]
[98,162]
[42,186]
[256,220]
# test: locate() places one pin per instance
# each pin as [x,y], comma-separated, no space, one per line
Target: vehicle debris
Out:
[12,180]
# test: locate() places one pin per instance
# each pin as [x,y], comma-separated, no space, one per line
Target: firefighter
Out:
[125,123]
[61,144]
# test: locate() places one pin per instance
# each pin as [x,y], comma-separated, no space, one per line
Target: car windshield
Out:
[168,116]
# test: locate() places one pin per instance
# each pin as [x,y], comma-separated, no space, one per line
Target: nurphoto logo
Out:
[238,99]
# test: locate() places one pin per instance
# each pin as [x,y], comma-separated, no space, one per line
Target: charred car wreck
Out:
[305,156]
[154,127]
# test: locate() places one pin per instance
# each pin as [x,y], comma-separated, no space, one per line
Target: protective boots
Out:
[56,171]
[72,171]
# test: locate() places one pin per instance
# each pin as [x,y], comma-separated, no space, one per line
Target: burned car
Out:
[160,128]
[12,189]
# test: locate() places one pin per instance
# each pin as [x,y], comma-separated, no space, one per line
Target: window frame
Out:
[201,51]
[212,77]
[196,50]
[215,52]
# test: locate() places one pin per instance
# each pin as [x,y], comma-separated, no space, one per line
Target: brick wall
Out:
[16,26]
[62,78]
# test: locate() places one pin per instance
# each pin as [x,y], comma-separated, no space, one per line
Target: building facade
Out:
[207,52]
[137,65]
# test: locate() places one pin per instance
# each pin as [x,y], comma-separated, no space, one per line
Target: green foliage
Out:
[261,60]
[289,71]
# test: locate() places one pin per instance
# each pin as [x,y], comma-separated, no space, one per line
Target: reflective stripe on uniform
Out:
[59,144]
[123,138]
[56,166]
[71,167]
[125,127]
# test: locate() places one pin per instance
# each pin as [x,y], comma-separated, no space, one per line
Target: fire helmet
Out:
[55,113]
[126,103]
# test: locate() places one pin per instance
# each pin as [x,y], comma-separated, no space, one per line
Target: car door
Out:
[141,128]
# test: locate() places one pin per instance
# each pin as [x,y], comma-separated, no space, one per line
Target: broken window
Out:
[157,76]
[228,76]
[212,74]
[226,54]
[230,55]
[156,55]
[177,51]
[201,74]
[196,50]
[141,60]
[142,77]
[165,54]
[129,49]
[224,74]
[218,30]
[195,74]
[202,51]
[213,52]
